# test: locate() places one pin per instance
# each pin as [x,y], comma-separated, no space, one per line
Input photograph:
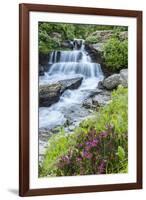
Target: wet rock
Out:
[77,43]
[41,70]
[75,113]
[112,82]
[43,58]
[102,99]
[100,85]
[71,84]
[49,94]
[98,100]
[88,103]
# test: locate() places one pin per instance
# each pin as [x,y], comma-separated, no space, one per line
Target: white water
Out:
[66,65]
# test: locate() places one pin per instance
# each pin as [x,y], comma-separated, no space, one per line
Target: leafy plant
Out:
[92,39]
[116,53]
[94,153]
[58,145]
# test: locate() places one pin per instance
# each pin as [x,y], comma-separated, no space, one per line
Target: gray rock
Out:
[100,85]
[41,70]
[102,99]
[98,47]
[88,103]
[49,94]
[112,81]
[124,77]
[98,100]
[71,84]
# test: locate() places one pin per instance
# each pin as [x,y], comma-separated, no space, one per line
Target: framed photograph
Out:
[80,99]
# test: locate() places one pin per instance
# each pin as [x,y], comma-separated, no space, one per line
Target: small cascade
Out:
[66,65]
[76,61]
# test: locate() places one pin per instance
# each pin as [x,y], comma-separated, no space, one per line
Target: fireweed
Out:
[95,153]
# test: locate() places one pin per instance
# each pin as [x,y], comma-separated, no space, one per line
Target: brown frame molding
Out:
[24,10]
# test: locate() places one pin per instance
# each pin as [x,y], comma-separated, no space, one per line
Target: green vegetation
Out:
[98,146]
[51,35]
[58,146]
[116,53]
[92,39]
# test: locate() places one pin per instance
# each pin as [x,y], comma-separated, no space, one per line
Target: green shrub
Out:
[116,54]
[92,39]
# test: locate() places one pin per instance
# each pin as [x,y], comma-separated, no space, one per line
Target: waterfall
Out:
[65,65]
[72,62]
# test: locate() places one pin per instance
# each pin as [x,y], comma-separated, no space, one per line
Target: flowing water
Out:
[66,65]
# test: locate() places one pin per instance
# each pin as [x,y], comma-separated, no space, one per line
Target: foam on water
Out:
[67,65]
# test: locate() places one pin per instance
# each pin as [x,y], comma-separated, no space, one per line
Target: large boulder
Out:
[124,77]
[49,94]
[71,84]
[112,82]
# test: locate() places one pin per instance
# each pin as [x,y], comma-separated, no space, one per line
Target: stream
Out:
[67,65]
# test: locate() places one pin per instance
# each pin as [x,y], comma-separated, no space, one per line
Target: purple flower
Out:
[87,154]
[88,143]
[101,167]
[79,159]
[104,134]
[88,147]
[94,143]
[65,159]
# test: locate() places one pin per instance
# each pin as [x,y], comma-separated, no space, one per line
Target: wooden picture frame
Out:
[24,106]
